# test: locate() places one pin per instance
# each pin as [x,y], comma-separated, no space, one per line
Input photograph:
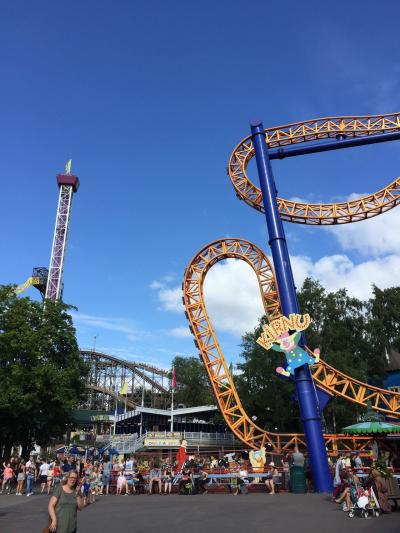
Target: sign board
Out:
[101,418]
[161,442]
[161,439]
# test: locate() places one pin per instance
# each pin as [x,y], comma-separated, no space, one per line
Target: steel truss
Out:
[326,377]
[314,130]
[54,281]
[147,385]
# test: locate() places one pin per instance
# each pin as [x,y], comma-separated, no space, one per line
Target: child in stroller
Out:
[366,504]
[186,485]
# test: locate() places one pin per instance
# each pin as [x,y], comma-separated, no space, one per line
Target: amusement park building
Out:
[193,419]
[392,380]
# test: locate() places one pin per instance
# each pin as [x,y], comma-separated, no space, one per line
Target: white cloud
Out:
[121,325]
[374,237]
[180,332]
[372,257]
[233,297]
[169,298]
[338,271]
[155,285]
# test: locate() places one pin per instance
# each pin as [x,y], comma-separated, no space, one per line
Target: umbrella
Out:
[373,427]
[73,450]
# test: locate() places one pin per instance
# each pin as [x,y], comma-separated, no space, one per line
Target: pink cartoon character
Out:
[295,355]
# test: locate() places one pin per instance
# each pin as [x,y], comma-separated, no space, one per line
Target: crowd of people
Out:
[97,477]
[74,483]
[352,481]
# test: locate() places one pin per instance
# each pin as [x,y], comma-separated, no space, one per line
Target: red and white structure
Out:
[68,185]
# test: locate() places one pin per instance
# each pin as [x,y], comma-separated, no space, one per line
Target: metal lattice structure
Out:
[326,377]
[68,185]
[317,130]
[147,385]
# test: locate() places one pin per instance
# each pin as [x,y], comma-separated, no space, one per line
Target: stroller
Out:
[366,504]
[187,488]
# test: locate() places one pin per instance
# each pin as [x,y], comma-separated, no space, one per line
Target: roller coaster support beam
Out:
[341,142]
[306,393]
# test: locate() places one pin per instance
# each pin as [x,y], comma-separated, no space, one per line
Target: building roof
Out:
[394,361]
[167,412]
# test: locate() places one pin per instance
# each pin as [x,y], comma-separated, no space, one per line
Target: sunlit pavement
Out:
[210,513]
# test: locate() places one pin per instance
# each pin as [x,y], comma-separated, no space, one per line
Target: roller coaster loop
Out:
[315,130]
[326,377]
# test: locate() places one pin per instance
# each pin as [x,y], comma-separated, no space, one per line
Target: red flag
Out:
[173,383]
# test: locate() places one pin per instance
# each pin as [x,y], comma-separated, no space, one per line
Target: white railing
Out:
[103,439]
[209,437]
[127,443]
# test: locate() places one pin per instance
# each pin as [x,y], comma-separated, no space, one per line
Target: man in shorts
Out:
[43,473]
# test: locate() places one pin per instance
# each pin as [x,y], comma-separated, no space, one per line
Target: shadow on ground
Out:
[210,513]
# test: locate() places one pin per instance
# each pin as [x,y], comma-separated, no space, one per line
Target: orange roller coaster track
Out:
[314,130]
[328,378]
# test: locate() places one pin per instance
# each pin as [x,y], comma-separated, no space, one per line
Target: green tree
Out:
[338,327]
[383,313]
[42,375]
[264,394]
[193,387]
[352,335]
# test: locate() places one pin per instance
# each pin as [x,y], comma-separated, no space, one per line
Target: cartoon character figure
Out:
[257,460]
[181,456]
[295,355]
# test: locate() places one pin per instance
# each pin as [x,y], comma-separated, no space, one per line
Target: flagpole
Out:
[172,411]
[116,406]
[173,385]
[115,414]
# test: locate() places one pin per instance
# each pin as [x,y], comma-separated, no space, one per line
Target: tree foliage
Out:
[354,337]
[264,394]
[42,375]
[193,387]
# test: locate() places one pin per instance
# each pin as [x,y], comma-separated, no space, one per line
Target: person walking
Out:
[20,478]
[8,475]
[106,475]
[298,480]
[43,472]
[30,478]
[358,463]
[50,478]
[64,504]
[56,474]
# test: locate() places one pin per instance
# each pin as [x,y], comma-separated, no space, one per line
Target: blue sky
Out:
[149,99]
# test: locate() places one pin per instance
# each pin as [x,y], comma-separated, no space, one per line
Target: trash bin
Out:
[298,483]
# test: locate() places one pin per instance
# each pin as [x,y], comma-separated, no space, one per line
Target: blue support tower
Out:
[308,401]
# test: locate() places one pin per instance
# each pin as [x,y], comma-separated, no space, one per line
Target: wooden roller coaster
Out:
[326,377]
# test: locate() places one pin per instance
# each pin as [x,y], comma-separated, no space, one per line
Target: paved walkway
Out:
[211,513]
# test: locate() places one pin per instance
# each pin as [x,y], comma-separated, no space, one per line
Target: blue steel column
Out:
[309,411]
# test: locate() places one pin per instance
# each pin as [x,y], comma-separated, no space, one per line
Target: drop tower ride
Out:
[68,185]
